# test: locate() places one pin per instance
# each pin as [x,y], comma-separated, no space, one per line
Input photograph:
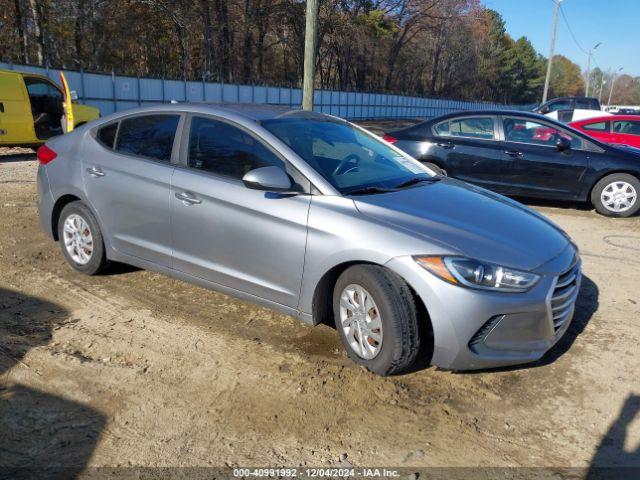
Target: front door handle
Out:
[95,172]
[513,153]
[187,198]
[1,107]
[445,144]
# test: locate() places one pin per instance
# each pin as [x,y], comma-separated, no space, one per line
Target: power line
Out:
[566,22]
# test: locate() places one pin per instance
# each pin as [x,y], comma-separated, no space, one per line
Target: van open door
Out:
[68,120]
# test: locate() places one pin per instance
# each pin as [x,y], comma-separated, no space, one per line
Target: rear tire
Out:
[375,313]
[81,239]
[616,195]
[435,168]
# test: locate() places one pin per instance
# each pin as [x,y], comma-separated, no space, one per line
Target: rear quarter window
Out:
[149,136]
[597,127]
[107,135]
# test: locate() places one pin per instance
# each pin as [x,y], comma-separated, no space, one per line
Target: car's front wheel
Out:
[376,318]
[81,239]
[616,195]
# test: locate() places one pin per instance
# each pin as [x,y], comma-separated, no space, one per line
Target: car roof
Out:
[476,113]
[607,118]
[25,74]
[247,111]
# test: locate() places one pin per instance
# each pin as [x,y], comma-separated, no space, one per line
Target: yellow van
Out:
[32,109]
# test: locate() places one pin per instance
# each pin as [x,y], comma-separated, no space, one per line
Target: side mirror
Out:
[544,110]
[270,179]
[563,143]
[74,95]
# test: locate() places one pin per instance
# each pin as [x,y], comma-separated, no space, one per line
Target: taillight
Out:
[389,138]
[45,154]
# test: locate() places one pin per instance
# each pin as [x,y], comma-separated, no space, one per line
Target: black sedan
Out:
[527,155]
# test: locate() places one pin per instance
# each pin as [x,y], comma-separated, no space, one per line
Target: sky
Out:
[615,23]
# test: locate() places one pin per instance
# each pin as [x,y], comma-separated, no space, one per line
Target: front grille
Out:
[564,296]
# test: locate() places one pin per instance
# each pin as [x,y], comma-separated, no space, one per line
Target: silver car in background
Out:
[319,219]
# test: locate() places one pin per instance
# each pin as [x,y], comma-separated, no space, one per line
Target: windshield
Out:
[350,159]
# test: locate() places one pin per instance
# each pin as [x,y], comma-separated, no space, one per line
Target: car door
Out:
[600,130]
[127,175]
[471,150]
[249,240]
[539,168]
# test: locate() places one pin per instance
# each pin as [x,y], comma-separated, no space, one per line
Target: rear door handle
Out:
[187,198]
[1,107]
[445,144]
[513,153]
[95,172]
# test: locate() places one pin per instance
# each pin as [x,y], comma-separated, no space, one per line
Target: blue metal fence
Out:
[112,93]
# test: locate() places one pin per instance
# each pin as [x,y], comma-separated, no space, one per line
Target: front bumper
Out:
[476,329]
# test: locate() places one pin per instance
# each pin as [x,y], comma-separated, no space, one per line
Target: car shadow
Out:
[41,435]
[564,205]
[586,306]
[117,268]
[17,157]
[611,460]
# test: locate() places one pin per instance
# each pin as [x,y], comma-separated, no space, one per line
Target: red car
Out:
[619,129]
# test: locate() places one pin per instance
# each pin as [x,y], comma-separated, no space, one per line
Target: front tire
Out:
[81,239]
[376,318]
[616,195]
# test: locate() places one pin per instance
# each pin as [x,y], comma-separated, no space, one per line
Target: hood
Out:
[472,221]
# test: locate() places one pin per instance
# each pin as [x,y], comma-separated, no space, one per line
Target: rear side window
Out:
[597,127]
[223,149]
[475,127]
[149,136]
[107,135]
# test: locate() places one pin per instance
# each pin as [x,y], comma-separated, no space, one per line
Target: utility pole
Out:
[602,82]
[613,84]
[551,50]
[586,90]
[310,54]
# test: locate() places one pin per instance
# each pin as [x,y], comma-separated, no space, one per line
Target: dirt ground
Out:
[134,368]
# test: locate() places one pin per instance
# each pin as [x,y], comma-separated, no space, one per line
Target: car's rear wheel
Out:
[376,318]
[616,195]
[81,239]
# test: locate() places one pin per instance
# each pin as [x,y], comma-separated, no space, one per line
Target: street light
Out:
[613,84]
[586,90]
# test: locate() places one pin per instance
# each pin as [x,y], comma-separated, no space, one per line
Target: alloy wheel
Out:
[78,239]
[360,321]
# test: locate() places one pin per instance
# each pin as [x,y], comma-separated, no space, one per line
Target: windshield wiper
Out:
[416,180]
[368,191]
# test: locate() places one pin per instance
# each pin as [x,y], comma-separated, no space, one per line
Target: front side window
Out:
[629,127]
[149,136]
[223,149]
[559,105]
[475,127]
[523,130]
[349,158]
[597,127]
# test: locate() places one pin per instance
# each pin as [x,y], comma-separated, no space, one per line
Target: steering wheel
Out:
[344,162]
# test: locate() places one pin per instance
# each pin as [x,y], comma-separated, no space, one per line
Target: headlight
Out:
[475,274]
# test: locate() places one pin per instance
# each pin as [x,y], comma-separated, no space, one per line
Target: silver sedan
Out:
[315,217]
